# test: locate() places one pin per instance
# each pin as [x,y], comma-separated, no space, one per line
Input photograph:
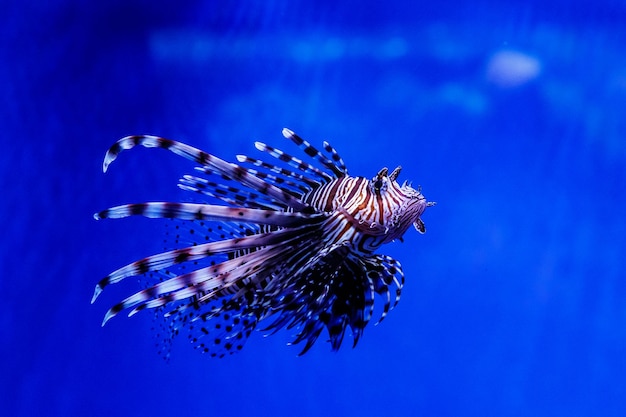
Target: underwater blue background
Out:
[511,115]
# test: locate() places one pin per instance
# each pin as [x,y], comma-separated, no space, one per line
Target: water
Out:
[509,116]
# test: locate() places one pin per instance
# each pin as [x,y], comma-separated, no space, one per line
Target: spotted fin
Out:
[215,164]
[192,211]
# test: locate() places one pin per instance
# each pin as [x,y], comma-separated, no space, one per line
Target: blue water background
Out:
[515,300]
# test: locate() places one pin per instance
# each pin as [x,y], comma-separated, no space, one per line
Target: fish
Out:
[288,244]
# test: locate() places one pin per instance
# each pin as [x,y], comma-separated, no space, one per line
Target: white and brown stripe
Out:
[302,256]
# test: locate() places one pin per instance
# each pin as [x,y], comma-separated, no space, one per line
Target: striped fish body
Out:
[365,215]
[299,251]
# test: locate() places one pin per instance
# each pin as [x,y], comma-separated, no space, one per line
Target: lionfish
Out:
[292,247]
